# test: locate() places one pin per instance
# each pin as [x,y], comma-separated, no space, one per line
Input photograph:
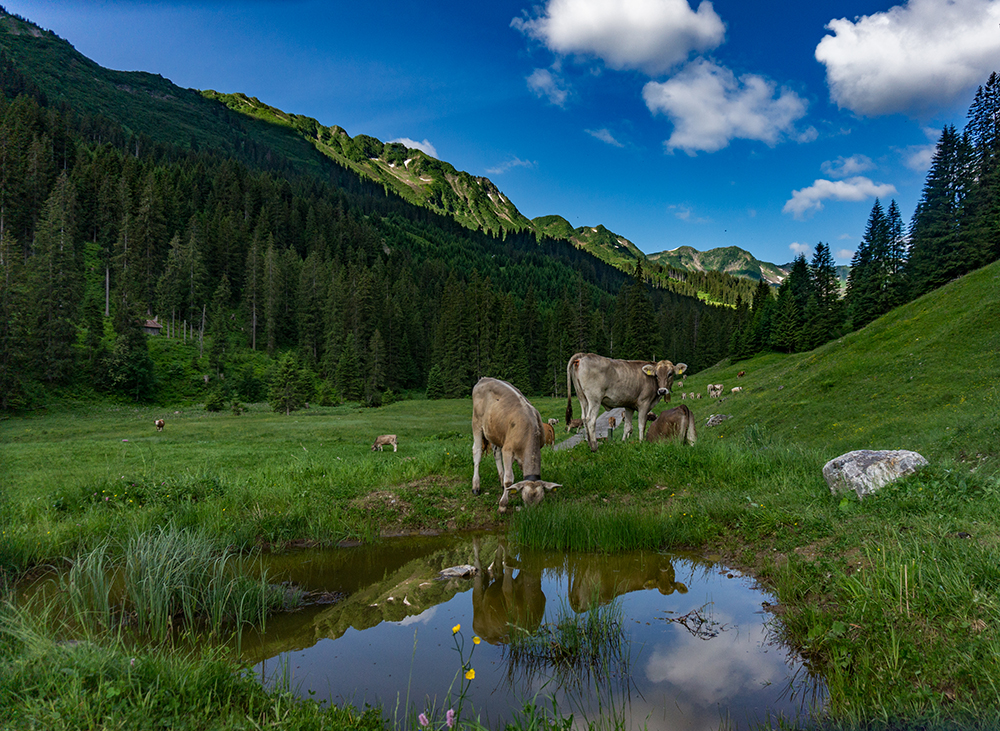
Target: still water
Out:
[698,651]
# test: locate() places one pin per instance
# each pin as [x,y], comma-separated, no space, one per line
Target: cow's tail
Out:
[569,390]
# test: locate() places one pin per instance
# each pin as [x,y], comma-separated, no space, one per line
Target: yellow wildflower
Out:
[476,640]
[470,674]
[455,629]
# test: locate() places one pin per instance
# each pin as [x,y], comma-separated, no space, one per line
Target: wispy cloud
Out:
[604,136]
[845,167]
[510,165]
[844,254]
[808,200]
[424,146]
[914,58]
[683,212]
[798,248]
[548,85]
[710,106]
[648,35]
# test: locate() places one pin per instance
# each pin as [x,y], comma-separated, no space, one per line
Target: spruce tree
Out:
[289,388]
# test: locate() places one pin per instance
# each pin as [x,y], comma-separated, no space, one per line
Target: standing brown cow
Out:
[635,385]
[159,424]
[503,417]
[384,441]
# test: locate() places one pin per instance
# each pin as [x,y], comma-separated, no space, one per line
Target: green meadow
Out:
[894,599]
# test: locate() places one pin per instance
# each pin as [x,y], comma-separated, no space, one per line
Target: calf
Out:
[159,424]
[503,417]
[675,423]
[384,440]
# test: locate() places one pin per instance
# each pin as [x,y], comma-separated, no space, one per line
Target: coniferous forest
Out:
[290,278]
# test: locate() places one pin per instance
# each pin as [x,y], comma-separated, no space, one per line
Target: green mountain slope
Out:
[415,176]
[599,241]
[729,259]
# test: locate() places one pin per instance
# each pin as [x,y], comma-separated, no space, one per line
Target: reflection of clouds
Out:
[423,618]
[716,669]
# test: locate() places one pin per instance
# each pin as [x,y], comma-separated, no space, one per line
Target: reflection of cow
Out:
[675,423]
[596,579]
[502,602]
[635,385]
[503,418]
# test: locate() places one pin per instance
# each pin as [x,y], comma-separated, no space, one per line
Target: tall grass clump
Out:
[169,580]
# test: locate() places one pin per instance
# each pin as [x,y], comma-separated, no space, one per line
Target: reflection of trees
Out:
[379,595]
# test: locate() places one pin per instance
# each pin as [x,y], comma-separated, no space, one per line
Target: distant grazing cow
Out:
[553,422]
[159,424]
[714,390]
[675,423]
[741,374]
[683,396]
[550,434]
[635,385]
[503,417]
[383,441]
[574,424]
[737,389]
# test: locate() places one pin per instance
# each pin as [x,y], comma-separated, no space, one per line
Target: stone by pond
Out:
[689,645]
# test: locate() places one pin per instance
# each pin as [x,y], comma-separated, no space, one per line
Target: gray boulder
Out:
[865,470]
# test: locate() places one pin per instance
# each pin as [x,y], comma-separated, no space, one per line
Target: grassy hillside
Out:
[924,377]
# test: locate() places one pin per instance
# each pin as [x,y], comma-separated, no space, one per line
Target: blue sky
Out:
[769,126]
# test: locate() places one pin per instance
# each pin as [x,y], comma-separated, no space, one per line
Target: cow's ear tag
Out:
[649,370]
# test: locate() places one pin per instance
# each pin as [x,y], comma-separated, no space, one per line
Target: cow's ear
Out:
[680,368]
[649,370]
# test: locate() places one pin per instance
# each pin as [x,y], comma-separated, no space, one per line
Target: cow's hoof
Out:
[476,491]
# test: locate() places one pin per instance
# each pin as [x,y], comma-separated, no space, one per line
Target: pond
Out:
[682,643]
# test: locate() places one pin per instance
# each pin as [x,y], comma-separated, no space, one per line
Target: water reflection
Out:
[694,649]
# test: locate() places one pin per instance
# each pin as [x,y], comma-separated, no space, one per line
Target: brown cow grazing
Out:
[676,423]
[384,441]
[741,374]
[159,424]
[550,434]
[503,417]
[635,385]
[574,424]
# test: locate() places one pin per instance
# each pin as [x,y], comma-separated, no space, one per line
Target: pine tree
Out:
[130,367]
[15,386]
[289,388]
[824,312]
[348,377]
[936,234]
[868,278]
[983,214]
[56,285]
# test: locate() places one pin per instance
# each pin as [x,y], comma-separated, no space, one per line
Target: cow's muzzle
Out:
[663,391]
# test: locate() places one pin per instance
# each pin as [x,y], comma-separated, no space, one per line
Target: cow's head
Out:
[664,372]
[532,492]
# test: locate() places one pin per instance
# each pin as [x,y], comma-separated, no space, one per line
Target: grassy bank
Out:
[895,599]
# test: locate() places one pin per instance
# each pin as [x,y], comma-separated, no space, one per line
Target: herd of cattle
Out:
[504,421]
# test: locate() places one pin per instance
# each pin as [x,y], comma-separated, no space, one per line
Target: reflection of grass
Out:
[573,647]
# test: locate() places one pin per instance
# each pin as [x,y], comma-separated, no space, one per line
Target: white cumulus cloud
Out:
[912,58]
[604,136]
[547,85]
[709,106]
[424,146]
[649,35]
[845,167]
[809,200]
[798,248]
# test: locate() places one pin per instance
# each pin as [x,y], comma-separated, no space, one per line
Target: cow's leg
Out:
[627,430]
[643,413]
[477,455]
[498,457]
[394,446]
[590,423]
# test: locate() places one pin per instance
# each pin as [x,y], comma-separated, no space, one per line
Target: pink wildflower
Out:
[449,717]
[423,720]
